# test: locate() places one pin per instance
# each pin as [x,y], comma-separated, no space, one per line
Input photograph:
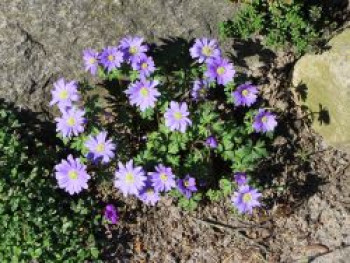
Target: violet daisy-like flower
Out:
[132,48]
[245,199]
[240,178]
[111,58]
[129,179]
[187,186]
[204,49]
[199,90]
[145,66]
[264,121]
[211,142]
[71,175]
[64,93]
[221,70]
[111,214]
[90,58]
[163,178]
[176,117]
[245,95]
[143,93]
[100,148]
[71,122]
[148,194]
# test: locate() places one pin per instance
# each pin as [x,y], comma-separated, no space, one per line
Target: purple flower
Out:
[176,117]
[187,186]
[240,178]
[129,179]
[163,178]
[143,93]
[145,66]
[211,142]
[132,48]
[245,199]
[90,58]
[111,58]
[71,175]
[204,49]
[100,148]
[71,122]
[64,93]
[199,90]
[264,121]
[111,214]
[245,95]
[148,195]
[221,70]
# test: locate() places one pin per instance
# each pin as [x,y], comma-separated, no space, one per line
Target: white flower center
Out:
[92,60]
[73,175]
[220,70]
[63,95]
[144,92]
[207,51]
[111,58]
[163,177]
[245,93]
[71,121]
[133,50]
[178,115]
[100,147]
[129,178]
[247,197]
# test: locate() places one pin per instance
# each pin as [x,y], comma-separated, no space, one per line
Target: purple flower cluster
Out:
[111,214]
[100,149]
[219,69]
[246,197]
[130,50]
[133,180]
[71,175]
[176,117]
[264,121]
[245,95]
[143,93]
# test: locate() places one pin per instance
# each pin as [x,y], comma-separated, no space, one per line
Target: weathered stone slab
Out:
[328,87]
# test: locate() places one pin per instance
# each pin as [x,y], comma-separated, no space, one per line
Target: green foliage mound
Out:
[37,222]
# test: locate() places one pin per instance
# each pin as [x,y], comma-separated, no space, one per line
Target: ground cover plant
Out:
[37,222]
[296,25]
[195,133]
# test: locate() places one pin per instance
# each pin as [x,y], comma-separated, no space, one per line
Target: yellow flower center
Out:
[186,183]
[163,177]
[264,119]
[70,121]
[63,95]
[245,93]
[206,50]
[110,57]
[133,50]
[144,92]
[92,60]
[144,65]
[220,70]
[178,116]
[247,197]
[150,191]
[73,175]
[100,148]
[129,178]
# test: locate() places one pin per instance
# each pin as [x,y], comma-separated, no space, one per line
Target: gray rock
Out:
[328,89]
[41,40]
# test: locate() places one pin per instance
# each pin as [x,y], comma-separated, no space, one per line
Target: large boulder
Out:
[326,77]
[41,40]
